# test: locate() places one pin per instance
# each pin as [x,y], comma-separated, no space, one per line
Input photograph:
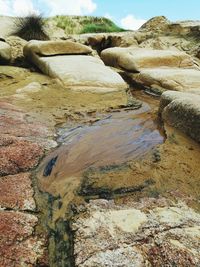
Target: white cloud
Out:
[132,23]
[56,7]
[4,7]
[17,7]
[71,7]
[23,7]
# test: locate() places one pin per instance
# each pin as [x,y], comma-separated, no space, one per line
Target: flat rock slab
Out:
[16,192]
[135,59]
[153,232]
[176,79]
[18,244]
[52,48]
[182,111]
[82,72]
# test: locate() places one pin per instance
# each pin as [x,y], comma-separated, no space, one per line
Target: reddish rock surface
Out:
[16,192]
[21,148]
[18,245]
[14,122]
[19,156]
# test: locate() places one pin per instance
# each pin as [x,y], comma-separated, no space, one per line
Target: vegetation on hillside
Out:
[31,27]
[85,24]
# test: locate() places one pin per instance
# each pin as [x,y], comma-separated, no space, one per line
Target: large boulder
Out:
[182,111]
[135,59]
[80,72]
[5,52]
[176,79]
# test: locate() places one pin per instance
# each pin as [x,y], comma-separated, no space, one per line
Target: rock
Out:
[158,23]
[52,48]
[134,59]
[160,33]
[162,25]
[168,79]
[136,234]
[182,111]
[17,45]
[80,71]
[33,87]
[5,52]
[10,116]
[19,246]
[100,42]
[19,156]
[185,27]
[16,192]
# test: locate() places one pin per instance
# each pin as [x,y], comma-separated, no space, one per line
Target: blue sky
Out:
[127,13]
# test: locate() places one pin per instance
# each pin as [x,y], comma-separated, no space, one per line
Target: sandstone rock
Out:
[168,79]
[152,232]
[16,192]
[19,246]
[82,72]
[185,27]
[5,52]
[17,45]
[52,48]
[182,111]
[162,25]
[180,43]
[156,23]
[133,59]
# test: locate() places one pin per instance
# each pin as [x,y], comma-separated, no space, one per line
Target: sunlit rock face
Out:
[177,79]
[151,232]
[135,59]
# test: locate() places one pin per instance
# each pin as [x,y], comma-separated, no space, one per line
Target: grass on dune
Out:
[85,24]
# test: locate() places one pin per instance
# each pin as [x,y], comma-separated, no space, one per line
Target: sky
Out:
[129,14]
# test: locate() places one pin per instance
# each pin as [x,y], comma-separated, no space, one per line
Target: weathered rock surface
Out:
[16,192]
[16,44]
[5,52]
[19,156]
[182,111]
[168,79]
[156,23]
[153,232]
[82,72]
[134,59]
[18,245]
